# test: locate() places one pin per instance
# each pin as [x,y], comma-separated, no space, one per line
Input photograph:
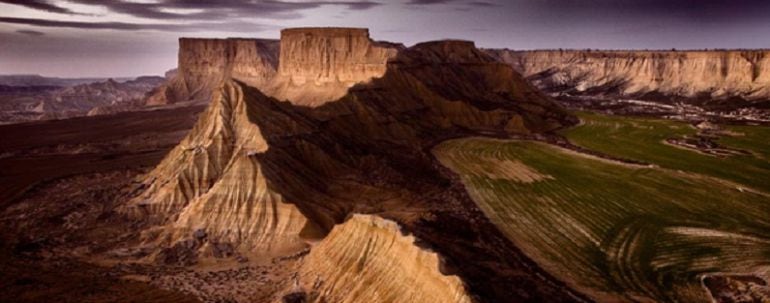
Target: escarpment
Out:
[299,170]
[316,65]
[369,259]
[671,75]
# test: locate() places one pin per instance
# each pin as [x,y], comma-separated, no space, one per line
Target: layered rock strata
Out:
[320,64]
[668,75]
[205,63]
[308,66]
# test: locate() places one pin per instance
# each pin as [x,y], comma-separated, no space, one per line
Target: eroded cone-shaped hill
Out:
[263,175]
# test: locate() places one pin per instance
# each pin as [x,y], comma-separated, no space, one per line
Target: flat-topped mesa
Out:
[205,63]
[318,65]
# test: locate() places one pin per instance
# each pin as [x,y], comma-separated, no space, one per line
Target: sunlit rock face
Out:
[308,66]
[318,65]
[678,74]
[370,259]
[204,63]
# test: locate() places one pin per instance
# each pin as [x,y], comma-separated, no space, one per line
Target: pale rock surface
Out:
[369,259]
[309,66]
[688,74]
[318,65]
[205,63]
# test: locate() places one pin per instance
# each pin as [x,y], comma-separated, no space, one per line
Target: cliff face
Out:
[369,259]
[205,63]
[318,65]
[332,55]
[309,66]
[265,175]
[677,74]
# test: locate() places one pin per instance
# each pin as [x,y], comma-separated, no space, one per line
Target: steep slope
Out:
[695,76]
[367,250]
[366,152]
[212,183]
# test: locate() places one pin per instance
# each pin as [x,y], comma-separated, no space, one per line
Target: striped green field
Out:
[620,232]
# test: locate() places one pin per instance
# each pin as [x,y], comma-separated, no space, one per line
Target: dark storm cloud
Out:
[30,32]
[186,27]
[39,5]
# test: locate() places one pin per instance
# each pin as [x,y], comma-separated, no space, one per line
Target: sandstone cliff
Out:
[309,66]
[320,64]
[265,175]
[369,259]
[667,75]
[205,63]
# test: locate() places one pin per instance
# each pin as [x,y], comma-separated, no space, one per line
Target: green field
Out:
[619,232]
[642,139]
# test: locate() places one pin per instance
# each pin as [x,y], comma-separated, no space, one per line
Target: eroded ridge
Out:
[370,259]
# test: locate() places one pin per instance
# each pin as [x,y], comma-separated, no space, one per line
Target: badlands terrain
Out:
[34,98]
[329,167]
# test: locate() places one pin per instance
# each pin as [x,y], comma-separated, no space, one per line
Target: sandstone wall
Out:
[688,74]
[205,63]
[318,65]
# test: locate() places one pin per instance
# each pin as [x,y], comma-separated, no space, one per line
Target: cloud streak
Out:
[204,10]
[186,27]
[30,32]
[39,5]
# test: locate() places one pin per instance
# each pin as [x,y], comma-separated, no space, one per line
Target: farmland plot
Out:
[620,232]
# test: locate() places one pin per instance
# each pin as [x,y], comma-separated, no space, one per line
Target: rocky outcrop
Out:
[370,259]
[205,63]
[662,75]
[266,174]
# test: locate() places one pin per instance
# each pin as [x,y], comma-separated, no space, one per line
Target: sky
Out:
[121,38]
